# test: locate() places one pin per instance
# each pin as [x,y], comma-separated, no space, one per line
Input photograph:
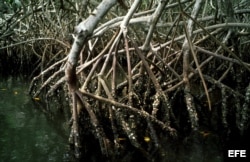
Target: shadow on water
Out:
[26,134]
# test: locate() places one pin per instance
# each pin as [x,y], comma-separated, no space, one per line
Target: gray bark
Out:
[85,29]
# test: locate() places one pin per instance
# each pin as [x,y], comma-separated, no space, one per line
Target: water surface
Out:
[26,133]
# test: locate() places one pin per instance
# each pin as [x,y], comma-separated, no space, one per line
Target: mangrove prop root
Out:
[144,71]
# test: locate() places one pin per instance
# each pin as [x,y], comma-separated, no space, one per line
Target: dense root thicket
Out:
[152,72]
[34,35]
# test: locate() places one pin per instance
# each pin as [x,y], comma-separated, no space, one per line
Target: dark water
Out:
[26,133]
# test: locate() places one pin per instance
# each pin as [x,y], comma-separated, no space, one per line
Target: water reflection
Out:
[26,134]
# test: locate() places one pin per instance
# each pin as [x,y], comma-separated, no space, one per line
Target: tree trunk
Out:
[83,31]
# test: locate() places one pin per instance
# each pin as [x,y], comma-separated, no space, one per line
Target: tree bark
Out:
[83,31]
[186,66]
